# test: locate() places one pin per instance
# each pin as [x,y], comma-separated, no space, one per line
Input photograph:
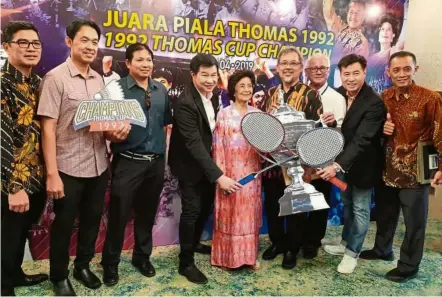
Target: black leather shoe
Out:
[30,280]
[63,288]
[146,268]
[87,278]
[310,252]
[193,274]
[289,260]
[8,291]
[398,276]
[202,249]
[110,275]
[372,255]
[271,252]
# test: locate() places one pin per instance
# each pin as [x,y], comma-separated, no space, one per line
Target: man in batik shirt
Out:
[23,194]
[414,115]
[301,97]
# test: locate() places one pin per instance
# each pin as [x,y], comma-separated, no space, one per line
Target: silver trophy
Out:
[299,196]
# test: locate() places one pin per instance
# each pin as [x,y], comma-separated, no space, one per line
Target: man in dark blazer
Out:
[361,160]
[190,160]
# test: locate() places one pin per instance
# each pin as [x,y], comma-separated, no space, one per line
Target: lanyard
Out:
[324,90]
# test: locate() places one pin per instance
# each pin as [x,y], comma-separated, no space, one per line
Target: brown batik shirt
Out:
[417,117]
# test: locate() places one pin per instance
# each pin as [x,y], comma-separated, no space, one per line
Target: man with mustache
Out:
[76,164]
[290,239]
[361,159]
[22,169]
[190,160]
[137,167]
[414,115]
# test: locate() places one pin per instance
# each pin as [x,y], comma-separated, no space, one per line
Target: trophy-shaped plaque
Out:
[299,196]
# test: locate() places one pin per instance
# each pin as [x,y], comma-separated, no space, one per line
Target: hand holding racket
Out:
[228,185]
[318,148]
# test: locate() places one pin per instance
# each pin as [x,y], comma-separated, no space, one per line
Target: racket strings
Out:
[320,146]
[263,131]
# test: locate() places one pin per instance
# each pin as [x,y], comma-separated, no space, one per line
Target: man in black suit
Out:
[190,160]
[361,160]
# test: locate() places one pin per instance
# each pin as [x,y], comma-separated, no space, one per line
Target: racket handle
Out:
[339,183]
[245,180]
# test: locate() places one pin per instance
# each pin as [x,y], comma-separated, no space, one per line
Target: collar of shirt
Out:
[204,98]
[74,70]
[352,98]
[131,82]
[18,76]
[289,91]
[391,93]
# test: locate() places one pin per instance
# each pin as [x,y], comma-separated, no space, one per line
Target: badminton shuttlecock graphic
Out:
[112,91]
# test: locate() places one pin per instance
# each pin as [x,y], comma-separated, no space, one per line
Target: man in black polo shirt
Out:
[137,167]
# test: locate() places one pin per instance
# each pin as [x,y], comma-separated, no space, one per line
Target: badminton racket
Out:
[252,176]
[318,148]
[264,133]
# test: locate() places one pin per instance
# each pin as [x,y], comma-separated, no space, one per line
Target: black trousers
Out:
[84,198]
[414,205]
[196,201]
[137,186]
[303,229]
[15,230]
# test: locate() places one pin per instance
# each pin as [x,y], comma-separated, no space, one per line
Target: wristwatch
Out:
[338,167]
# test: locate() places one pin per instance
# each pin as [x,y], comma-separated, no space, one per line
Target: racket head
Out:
[262,131]
[318,147]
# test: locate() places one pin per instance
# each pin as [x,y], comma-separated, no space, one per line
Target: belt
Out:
[143,157]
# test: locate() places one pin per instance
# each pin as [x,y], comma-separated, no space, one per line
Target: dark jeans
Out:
[136,186]
[15,229]
[196,201]
[414,205]
[84,198]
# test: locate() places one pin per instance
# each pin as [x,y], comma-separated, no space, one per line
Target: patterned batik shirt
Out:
[22,162]
[417,116]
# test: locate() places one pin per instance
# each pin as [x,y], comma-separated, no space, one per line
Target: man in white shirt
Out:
[318,70]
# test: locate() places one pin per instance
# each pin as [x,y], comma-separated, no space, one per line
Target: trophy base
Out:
[299,200]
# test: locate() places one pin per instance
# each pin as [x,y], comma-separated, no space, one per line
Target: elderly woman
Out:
[238,216]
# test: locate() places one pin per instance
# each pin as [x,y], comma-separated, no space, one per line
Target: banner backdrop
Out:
[242,34]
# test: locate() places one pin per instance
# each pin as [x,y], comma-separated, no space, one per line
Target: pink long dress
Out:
[237,217]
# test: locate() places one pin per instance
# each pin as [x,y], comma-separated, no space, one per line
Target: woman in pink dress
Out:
[238,216]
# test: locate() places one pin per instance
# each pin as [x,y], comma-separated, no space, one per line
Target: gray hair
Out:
[318,55]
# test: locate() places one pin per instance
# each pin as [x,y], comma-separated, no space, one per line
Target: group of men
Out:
[71,166]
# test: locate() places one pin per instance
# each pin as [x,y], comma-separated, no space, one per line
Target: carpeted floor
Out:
[310,277]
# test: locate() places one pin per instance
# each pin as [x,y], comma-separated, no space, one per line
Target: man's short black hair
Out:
[131,49]
[164,73]
[75,26]
[204,60]
[13,27]
[351,59]
[235,78]
[402,54]
[360,2]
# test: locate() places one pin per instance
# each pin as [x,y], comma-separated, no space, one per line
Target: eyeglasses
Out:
[292,64]
[147,97]
[316,69]
[23,43]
